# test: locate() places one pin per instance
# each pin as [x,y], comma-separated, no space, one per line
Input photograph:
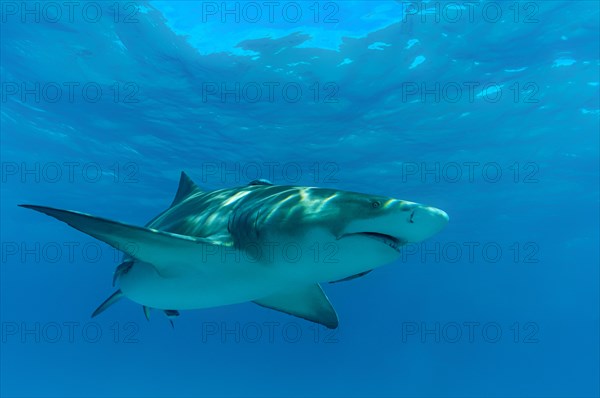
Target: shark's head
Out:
[368,230]
[372,229]
[394,220]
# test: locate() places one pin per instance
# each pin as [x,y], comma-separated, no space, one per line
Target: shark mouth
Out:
[391,241]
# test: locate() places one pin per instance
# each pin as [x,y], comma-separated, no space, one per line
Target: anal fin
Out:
[171,314]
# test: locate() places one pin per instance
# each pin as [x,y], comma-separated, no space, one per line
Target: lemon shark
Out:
[268,244]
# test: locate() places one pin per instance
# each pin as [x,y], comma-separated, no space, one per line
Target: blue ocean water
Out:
[487,110]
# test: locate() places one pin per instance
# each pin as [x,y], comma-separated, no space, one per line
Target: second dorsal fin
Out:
[186,188]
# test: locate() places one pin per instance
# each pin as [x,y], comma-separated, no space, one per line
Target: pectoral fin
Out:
[308,302]
[169,253]
[116,296]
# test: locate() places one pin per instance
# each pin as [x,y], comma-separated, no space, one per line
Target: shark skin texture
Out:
[255,243]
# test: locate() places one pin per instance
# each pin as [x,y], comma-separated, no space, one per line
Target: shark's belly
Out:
[231,285]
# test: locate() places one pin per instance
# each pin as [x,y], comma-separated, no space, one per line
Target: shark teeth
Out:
[389,240]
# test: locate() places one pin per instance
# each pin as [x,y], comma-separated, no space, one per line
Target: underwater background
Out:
[487,110]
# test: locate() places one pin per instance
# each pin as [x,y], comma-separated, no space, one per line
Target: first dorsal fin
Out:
[186,188]
[260,181]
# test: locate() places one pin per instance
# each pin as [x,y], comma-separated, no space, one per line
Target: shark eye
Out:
[376,204]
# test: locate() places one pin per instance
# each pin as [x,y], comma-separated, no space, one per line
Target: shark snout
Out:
[429,214]
[425,221]
[403,222]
